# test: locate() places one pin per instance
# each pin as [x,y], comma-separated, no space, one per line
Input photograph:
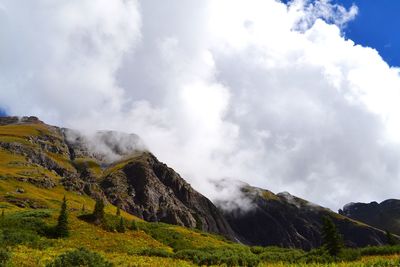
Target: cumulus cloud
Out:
[106,146]
[268,93]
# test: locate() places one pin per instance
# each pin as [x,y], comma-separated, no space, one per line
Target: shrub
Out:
[390,239]
[80,257]
[349,255]
[316,256]
[156,252]
[381,250]
[121,226]
[133,226]
[281,255]
[257,250]
[25,228]
[230,256]
[107,222]
[5,256]
[118,213]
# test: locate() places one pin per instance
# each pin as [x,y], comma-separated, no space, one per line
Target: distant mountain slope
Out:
[115,166]
[384,215]
[134,180]
[285,220]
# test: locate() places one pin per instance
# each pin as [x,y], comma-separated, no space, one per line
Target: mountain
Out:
[117,167]
[384,215]
[106,165]
[288,221]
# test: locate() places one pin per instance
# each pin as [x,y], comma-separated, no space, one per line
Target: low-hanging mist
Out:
[260,91]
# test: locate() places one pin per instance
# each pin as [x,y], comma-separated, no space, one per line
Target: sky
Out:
[376,26]
[298,97]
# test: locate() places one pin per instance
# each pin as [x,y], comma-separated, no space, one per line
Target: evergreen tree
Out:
[134,226]
[98,212]
[118,213]
[332,240]
[390,239]
[121,226]
[62,223]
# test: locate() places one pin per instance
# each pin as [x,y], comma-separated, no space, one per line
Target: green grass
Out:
[153,244]
[30,214]
[88,164]
[16,166]
[24,130]
[62,161]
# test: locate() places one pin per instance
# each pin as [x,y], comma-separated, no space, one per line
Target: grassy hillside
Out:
[153,244]
[30,199]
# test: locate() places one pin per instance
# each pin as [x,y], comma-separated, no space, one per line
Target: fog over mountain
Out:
[260,91]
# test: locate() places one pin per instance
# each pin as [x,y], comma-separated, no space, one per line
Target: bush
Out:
[121,226]
[382,263]
[108,223]
[5,256]
[382,250]
[316,256]
[25,228]
[163,233]
[281,255]
[230,256]
[156,252]
[257,250]
[133,226]
[349,255]
[80,257]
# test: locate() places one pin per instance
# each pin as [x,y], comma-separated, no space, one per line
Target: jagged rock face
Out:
[137,182]
[288,221]
[15,120]
[384,215]
[153,191]
[104,146]
[112,165]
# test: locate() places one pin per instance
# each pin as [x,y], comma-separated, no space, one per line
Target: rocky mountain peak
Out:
[19,120]
[384,215]
[107,164]
[286,220]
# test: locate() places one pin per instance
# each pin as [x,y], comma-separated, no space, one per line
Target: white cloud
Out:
[255,90]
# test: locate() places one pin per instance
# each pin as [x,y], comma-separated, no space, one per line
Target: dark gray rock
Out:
[15,120]
[151,190]
[288,221]
[384,215]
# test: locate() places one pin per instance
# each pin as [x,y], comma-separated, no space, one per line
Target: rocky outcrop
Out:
[116,166]
[151,190]
[109,165]
[384,215]
[16,120]
[288,221]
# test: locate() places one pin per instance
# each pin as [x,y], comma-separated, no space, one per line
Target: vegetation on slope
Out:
[33,213]
[26,241]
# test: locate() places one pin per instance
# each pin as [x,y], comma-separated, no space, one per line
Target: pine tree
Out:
[98,212]
[332,240]
[62,223]
[134,226]
[390,239]
[118,213]
[121,226]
